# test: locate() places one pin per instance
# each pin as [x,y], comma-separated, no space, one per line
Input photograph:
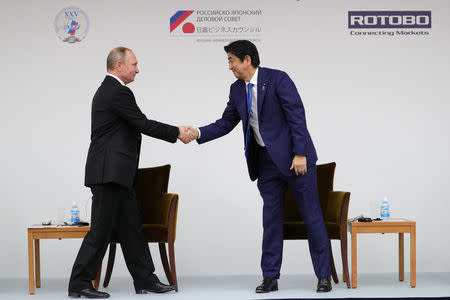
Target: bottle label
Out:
[385,211]
[75,216]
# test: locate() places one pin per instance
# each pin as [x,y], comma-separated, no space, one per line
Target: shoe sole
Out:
[263,292]
[142,292]
[78,295]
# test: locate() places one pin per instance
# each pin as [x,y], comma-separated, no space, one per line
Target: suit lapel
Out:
[243,101]
[262,85]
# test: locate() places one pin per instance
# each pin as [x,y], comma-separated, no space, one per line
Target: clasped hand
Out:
[187,134]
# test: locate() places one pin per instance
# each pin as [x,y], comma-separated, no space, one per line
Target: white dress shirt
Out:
[254,111]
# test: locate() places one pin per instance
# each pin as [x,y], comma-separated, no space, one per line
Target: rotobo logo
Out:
[389,19]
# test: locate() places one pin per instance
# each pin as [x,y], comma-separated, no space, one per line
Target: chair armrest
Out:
[170,211]
[337,208]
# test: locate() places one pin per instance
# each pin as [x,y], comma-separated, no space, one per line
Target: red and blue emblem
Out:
[71,24]
[178,18]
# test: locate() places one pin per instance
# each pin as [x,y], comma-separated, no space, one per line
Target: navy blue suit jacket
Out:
[281,117]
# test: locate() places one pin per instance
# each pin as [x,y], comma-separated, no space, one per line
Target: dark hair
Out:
[242,48]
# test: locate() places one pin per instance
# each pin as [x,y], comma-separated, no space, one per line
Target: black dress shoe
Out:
[268,285]
[324,285]
[157,287]
[89,292]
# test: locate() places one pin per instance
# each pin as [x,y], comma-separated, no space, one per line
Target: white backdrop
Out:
[376,105]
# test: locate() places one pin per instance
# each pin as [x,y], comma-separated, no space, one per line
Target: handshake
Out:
[188,134]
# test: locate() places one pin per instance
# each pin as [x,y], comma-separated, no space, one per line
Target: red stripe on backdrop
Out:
[180,20]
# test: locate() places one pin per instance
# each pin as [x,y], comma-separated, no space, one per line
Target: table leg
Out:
[37,258]
[401,256]
[354,259]
[30,264]
[413,255]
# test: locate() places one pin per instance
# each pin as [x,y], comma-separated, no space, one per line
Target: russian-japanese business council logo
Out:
[71,24]
[389,22]
[179,18]
[217,25]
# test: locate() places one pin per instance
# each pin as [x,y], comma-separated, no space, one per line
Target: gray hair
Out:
[116,54]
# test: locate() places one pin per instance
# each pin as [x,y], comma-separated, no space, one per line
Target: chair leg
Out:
[345,259]
[333,268]
[96,282]
[172,265]
[165,262]
[109,268]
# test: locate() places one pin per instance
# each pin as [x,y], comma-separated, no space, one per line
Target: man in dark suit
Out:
[111,167]
[279,151]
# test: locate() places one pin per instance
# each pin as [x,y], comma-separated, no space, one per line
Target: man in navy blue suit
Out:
[279,151]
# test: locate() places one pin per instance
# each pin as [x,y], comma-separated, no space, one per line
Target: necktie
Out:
[249,110]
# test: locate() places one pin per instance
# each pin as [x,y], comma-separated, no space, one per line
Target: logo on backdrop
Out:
[390,23]
[217,25]
[71,24]
[178,18]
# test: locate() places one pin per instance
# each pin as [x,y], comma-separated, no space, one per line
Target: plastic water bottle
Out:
[75,213]
[384,209]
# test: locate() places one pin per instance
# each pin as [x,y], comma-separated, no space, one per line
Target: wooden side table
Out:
[391,225]
[37,232]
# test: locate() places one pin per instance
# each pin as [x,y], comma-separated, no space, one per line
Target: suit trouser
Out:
[272,185]
[114,209]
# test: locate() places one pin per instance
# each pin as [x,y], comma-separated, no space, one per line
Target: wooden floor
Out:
[242,287]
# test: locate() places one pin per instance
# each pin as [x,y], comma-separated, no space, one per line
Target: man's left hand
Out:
[299,164]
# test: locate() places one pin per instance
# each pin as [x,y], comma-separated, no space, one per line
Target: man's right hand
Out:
[187,134]
[195,132]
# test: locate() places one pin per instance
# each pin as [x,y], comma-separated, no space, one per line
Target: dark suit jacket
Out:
[281,117]
[117,124]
